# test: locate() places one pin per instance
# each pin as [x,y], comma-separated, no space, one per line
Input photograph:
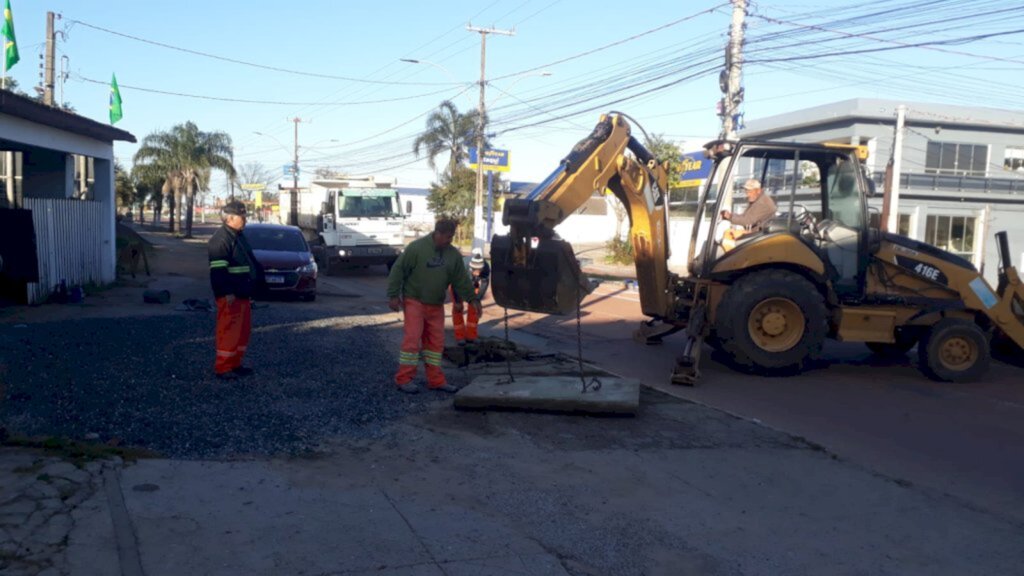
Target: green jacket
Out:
[424,273]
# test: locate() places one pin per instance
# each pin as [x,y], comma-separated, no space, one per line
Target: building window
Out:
[10,179]
[1014,159]
[957,159]
[954,234]
[904,225]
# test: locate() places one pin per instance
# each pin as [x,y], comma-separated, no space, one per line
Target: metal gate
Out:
[69,243]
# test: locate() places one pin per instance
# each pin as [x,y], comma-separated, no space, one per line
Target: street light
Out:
[442,69]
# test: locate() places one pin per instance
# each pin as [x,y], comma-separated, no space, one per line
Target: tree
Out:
[254,173]
[12,86]
[453,197]
[666,151]
[329,173]
[448,130]
[124,187]
[186,156]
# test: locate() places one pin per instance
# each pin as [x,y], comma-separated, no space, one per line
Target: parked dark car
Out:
[287,262]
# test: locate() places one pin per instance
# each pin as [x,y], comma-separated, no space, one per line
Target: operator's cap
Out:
[235,208]
[477,261]
[752,184]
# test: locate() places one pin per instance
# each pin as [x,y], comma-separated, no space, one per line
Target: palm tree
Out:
[448,130]
[186,156]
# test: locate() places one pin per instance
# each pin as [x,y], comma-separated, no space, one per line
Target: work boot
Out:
[409,388]
[243,371]
[449,388]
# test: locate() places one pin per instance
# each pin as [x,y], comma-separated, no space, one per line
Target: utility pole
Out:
[48,65]
[730,81]
[891,202]
[293,217]
[478,204]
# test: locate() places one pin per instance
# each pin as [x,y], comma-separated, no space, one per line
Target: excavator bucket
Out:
[537,275]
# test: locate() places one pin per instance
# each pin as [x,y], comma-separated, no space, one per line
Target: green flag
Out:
[115,100]
[10,44]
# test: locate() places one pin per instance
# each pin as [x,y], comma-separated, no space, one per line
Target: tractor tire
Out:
[955,350]
[772,322]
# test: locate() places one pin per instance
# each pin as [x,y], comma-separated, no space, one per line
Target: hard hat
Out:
[477,261]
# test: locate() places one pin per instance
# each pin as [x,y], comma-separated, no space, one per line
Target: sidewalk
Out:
[594,262]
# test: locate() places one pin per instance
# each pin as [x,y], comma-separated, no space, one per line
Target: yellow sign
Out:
[259,198]
[254,186]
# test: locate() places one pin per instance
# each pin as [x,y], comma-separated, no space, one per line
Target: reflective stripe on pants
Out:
[234,325]
[423,331]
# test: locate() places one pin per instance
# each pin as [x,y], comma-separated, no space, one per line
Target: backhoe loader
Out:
[817,270]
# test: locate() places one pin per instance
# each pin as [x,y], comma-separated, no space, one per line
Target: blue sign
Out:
[695,167]
[494,160]
[290,170]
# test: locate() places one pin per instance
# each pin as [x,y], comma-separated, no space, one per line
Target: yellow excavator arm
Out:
[536,271]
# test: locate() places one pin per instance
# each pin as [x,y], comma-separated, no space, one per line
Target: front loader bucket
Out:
[539,275]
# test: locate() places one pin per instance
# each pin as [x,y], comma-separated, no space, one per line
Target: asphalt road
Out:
[966,441]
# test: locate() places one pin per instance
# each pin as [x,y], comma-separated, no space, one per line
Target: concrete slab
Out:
[551,393]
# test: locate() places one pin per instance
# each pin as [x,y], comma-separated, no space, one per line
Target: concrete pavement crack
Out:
[413,530]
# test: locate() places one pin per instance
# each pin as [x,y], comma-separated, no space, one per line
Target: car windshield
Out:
[278,239]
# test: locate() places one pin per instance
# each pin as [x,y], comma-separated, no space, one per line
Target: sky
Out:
[247,67]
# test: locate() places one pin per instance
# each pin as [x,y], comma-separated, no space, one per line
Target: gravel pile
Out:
[148,382]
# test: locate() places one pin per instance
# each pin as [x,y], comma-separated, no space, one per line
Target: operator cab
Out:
[820,199]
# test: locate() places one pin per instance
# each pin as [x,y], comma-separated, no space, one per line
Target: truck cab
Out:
[353,222]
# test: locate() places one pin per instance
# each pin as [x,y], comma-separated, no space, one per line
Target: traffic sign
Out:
[290,170]
[494,160]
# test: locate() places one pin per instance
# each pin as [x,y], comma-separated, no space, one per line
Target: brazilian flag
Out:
[115,101]
[11,56]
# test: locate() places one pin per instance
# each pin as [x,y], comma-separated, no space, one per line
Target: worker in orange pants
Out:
[417,284]
[234,273]
[234,325]
[423,338]
[466,327]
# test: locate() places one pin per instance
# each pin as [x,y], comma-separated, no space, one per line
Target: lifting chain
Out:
[594,383]
[508,353]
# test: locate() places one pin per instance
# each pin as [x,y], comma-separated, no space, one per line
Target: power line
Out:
[613,44]
[929,45]
[268,102]
[253,64]
[899,46]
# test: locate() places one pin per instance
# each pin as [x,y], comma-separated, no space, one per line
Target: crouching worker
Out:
[234,273]
[466,326]
[417,285]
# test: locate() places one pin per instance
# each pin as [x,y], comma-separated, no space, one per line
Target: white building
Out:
[56,199]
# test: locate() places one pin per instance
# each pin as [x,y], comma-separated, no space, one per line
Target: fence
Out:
[69,243]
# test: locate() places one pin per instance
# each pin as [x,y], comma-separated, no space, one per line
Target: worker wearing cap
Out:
[234,273]
[417,285]
[760,209]
[466,326]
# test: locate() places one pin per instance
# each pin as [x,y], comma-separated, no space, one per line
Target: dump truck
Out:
[819,269]
[351,221]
